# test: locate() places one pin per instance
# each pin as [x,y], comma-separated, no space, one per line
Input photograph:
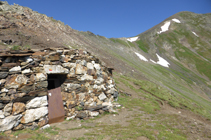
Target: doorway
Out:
[56,111]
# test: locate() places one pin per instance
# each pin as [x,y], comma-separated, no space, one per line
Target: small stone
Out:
[46,126]
[43,122]
[81,115]
[4,90]
[15,69]
[26,71]
[8,109]
[11,91]
[41,77]
[97,66]
[86,77]
[102,96]
[19,127]
[2,114]
[80,69]
[3,75]
[18,108]
[90,66]
[93,113]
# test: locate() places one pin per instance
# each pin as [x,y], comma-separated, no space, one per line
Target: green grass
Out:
[157,94]
[143,45]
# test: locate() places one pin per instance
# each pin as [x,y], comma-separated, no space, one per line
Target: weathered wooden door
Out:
[55,105]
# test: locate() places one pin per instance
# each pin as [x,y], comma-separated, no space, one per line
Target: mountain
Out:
[167,64]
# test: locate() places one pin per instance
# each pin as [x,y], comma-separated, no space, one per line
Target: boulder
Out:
[37,102]
[9,122]
[34,114]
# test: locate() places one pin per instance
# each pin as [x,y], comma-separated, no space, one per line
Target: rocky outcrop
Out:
[87,88]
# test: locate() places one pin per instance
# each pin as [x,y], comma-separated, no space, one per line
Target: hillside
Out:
[166,69]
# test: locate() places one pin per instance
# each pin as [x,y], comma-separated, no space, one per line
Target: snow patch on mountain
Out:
[176,20]
[165,27]
[132,39]
[141,56]
[195,34]
[162,61]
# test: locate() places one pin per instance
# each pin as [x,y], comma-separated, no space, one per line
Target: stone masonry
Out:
[87,89]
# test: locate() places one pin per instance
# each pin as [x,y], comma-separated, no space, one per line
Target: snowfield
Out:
[176,20]
[141,57]
[165,27]
[195,34]
[132,39]
[162,61]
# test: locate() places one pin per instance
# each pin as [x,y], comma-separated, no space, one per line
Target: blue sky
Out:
[114,18]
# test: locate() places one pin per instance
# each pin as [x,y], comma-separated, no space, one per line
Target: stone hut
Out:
[46,86]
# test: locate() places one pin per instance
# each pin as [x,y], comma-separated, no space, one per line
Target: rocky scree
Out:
[87,88]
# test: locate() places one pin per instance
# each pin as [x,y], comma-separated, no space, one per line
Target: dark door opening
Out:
[55,104]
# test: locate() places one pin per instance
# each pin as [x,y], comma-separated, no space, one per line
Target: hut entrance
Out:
[55,104]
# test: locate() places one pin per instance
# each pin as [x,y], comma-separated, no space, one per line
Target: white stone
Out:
[90,66]
[54,69]
[46,126]
[86,77]
[15,69]
[4,90]
[93,113]
[2,114]
[28,59]
[109,104]
[26,71]
[9,122]
[41,77]
[69,65]
[102,96]
[37,102]
[97,66]
[34,114]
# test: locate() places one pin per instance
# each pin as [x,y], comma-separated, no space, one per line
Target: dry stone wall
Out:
[87,87]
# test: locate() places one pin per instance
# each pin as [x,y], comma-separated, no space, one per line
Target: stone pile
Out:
[87,89]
